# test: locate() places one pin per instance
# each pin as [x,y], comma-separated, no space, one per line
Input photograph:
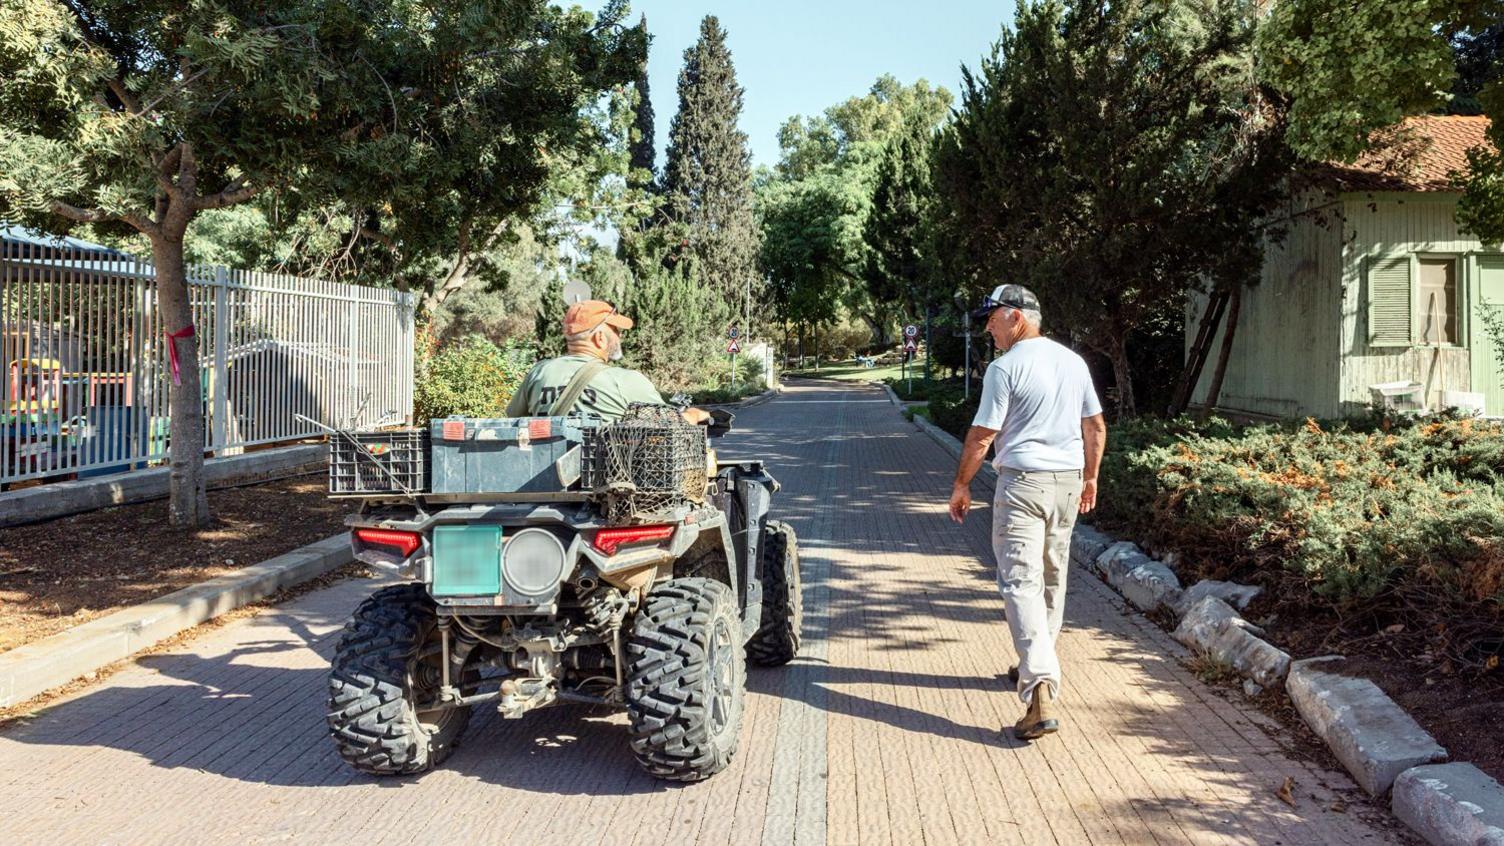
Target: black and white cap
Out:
[1006,296]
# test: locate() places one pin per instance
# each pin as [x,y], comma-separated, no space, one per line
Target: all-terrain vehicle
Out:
[559,560]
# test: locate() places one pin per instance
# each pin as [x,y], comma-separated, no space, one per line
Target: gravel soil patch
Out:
[68,571]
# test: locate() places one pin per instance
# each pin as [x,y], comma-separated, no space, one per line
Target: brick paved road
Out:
[886,731]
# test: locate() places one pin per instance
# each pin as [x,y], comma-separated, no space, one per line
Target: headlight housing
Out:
[533,562]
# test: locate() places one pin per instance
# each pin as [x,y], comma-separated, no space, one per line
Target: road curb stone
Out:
[1371,735]
[1451,805]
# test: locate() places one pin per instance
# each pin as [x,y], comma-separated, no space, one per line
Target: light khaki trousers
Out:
[1032,518]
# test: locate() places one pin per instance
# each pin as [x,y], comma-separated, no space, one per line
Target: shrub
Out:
[949,411]
[924,390]
[472,377]
[1351,511]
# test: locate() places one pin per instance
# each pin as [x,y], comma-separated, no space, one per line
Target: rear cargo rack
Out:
[386,463]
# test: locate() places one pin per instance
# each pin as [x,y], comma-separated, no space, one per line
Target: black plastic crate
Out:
[379,463]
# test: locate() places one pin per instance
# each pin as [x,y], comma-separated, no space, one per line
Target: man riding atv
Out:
[583,374]
[588,548]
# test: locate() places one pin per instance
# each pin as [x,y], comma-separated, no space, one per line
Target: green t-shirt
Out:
[607,395]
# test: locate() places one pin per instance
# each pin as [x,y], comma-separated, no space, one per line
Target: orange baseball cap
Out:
[588,315]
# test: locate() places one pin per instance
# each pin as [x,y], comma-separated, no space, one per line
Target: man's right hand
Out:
[695,415]
[960,502]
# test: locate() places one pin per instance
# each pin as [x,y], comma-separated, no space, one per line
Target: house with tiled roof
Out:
[1373,292]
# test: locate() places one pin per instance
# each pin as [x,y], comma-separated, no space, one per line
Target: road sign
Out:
[911,331]
[733,333]
[910,345]
[733,347]
[576,291]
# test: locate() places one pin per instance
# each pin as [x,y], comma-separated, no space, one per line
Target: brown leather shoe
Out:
[1040,719]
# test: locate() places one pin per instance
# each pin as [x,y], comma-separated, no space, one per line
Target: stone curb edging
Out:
[60,499]
[1380,745]
[38,667]
[1453,804]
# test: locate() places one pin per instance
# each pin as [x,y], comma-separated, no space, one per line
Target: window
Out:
[1389,303]
[1413,300]
[1436,307]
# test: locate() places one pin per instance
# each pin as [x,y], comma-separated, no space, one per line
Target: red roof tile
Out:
[1422,154]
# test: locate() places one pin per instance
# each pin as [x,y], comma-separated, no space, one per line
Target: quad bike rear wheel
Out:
[777,640]
[686,680]
[385,669]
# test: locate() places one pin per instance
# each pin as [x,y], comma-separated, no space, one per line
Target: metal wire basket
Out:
[375,463]
[646,465]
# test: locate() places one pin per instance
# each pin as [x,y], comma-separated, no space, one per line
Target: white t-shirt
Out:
[1035,395]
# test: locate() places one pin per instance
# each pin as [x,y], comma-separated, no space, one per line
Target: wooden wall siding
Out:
[1286,356]
[1386,224]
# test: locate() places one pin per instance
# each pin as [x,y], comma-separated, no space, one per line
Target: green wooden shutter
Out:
[1389,309]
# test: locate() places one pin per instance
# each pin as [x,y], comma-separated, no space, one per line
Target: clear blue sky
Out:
[800,57]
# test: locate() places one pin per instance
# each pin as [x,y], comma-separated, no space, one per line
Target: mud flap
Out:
[754,490]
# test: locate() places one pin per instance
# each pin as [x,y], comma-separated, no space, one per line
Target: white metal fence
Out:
[87,372]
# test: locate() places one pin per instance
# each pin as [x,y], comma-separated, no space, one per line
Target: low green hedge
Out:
[951,412]
[923,390]
[473,377]
[1351,511]
[723,394]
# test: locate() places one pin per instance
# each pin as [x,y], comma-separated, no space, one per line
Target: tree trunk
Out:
[188,505]
[1123,375]
[878,329]
[1214,392]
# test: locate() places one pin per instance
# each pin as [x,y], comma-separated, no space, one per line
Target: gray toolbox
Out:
[508,455]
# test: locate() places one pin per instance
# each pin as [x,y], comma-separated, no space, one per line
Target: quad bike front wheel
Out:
[686,680]
[777,640]
[386,670]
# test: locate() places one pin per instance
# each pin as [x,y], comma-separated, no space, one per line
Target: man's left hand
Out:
[1088,496]
[960,502]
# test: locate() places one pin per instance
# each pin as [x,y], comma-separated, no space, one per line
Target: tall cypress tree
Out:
[709,172]
[643,173]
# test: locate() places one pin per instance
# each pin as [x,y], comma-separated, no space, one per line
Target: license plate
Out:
[467,560]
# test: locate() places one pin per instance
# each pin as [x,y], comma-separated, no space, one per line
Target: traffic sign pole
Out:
[910,347]
[733,346]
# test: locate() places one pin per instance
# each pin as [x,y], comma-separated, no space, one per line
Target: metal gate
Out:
[87,372]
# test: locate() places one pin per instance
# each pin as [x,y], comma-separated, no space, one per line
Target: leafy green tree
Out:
[812,241]
[1348,70]
[1480,62]
[1112,157]
[708,178]
[814,205]
[427,125]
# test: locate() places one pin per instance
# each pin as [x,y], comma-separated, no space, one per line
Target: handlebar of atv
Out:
[719,422]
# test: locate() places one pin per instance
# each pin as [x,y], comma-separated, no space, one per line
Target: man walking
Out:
[1039,397]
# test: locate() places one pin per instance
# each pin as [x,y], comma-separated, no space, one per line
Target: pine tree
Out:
[901,264]
[643,174]
[709,171]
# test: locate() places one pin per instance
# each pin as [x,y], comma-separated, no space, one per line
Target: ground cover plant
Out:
[1385,526]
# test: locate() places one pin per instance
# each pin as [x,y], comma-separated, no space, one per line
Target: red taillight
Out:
[405,541]
[607,540]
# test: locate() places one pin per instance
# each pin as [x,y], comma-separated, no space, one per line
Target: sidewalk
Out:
[887,730]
